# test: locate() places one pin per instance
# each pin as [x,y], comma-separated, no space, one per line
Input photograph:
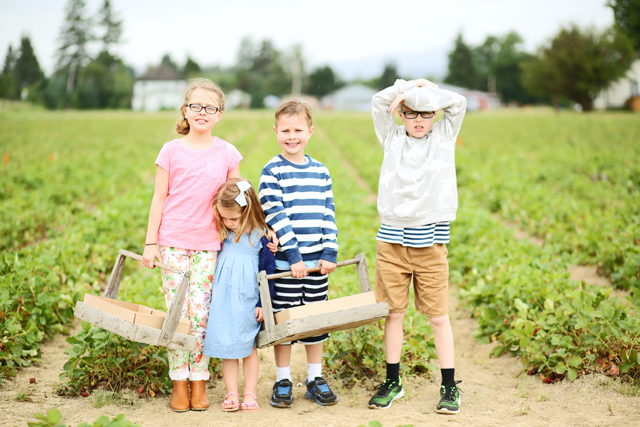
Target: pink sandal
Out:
[231,406]
[250,407]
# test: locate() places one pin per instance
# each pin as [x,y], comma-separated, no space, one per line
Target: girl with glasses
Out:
[182,228]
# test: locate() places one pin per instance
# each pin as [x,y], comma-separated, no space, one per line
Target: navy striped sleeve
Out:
[271,199]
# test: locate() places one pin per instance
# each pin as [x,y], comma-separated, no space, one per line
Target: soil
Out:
[496,392]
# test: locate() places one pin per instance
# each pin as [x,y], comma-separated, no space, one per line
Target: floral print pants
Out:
[184,364]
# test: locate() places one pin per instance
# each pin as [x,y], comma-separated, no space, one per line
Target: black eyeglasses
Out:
[196,108]
[414,114]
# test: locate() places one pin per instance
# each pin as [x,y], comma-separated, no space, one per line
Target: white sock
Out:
[283,373]
[313,370]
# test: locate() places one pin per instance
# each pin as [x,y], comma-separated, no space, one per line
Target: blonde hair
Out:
[182,125]
[252,214]
[295,108]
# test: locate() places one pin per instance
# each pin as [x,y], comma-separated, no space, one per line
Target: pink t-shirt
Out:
[194,178]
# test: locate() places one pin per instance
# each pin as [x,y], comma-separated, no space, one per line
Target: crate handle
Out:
[313,269]
[155,262]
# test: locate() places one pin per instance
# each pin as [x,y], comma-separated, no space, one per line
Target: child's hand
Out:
[425,83]
[273,245]
[298,270]
[150,253]
[259,316]
[399,100]
[326,267]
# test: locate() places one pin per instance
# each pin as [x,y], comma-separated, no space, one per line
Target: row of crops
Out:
[77,187]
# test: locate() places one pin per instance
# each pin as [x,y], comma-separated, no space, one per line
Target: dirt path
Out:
[495,393]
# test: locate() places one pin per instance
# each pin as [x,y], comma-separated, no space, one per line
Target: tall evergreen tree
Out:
[9,60]
[75,34]
[627,16]
[27,69]
[462,65]
[7,83]
[322,81]
[111,23]
[166,60]
[389,75]
[191,69]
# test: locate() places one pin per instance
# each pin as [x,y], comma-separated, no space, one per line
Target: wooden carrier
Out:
[322,317]
[166,337]
[296,323]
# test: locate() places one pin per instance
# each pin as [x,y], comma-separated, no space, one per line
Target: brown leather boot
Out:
[180,396]
[199,399]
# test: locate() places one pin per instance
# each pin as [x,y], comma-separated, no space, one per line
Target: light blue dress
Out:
[232,327]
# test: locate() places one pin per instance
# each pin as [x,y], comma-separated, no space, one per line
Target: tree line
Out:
[571,68]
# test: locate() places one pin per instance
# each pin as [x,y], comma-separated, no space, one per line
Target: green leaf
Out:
[572,374]
[574,360]
[54,415]
[374,424]
[624,368]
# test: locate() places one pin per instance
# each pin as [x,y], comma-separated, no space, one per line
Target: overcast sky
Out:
[356,37]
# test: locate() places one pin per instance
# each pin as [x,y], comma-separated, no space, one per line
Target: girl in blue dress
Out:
[236,312]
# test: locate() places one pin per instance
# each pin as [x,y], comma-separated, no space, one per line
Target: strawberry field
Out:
[76,187]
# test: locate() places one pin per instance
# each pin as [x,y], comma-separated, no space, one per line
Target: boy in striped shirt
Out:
[417,197]
[296,196]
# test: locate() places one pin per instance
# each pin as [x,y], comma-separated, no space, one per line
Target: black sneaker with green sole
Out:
[388,391]
[449,399]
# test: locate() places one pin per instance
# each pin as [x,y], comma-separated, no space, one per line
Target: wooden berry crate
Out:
[166,337]
[328,316]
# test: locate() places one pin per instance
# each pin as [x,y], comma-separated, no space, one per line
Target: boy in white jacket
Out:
[417,198]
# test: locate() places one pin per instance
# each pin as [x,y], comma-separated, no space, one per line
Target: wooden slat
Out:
[312,270]
[149,335]
[267,309]
[363,273]
[170,323]
[113,284]
[104,320]
[155,262]
[324,323]
[128,330]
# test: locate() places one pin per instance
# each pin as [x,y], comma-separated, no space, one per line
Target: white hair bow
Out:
[240,198]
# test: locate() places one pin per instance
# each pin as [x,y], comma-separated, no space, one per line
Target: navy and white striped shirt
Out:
[415,237]
[297,200]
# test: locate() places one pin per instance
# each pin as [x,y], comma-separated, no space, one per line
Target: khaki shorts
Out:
[396,264]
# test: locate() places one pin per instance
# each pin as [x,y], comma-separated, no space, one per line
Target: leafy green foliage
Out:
[53,418]
[627,16]
[563,69]
[98,357]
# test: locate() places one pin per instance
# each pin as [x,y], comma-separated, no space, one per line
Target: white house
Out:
[159,88]
[617,94]
[237,99]
[355,97]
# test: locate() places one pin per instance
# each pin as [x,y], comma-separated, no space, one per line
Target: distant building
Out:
[353,97]
[357,97]
[476,99]
[311,100]
[619,92]
[157,89]
[237,99]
